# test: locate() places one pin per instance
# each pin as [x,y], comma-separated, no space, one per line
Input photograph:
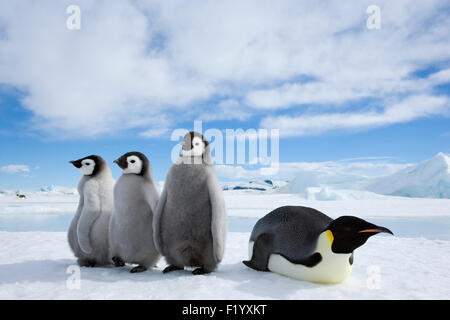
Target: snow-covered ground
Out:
[34,265]
[37,264]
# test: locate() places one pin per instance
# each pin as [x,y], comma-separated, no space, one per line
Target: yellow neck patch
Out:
[330,236]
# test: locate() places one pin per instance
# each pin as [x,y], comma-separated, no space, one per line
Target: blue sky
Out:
[136,71]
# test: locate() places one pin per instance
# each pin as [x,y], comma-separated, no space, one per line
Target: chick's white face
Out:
[87,167]
[198,147]
[134,165]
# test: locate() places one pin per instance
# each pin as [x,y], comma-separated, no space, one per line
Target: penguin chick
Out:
[88,232]
[135,200]
[305,244]
[190,222]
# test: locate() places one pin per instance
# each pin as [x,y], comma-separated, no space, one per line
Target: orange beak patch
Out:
[370,230]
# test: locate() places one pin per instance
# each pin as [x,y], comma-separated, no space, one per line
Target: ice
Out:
[413,264]
[35,265]
[306,179]
[428,179]
[254,185]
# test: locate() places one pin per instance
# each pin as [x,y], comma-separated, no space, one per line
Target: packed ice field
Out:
[36,262]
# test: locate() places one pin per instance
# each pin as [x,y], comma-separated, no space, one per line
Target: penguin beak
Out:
[121,163]
[76,163]
[375,230]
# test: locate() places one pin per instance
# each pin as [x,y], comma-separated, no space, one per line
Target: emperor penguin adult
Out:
[88,232]
[305,244]
[190,222]
[135,200]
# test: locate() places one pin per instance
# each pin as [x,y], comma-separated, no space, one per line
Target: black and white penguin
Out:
[305,244]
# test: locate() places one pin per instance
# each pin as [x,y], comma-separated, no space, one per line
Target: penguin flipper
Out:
[89,214]
[262,249]
[309,261]
[218,216]
[157,220]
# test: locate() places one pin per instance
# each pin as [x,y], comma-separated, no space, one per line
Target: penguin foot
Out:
[118,262]
[91,263]
[171,268]
[87,263]
[137,269]
[200,270]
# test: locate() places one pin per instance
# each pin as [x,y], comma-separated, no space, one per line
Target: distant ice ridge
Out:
[253,185]
[427,179]
[42,191]
[317,179]
[327,194]
[52,189]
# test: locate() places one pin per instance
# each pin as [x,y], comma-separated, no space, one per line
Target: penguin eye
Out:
[87,163]
[133,161]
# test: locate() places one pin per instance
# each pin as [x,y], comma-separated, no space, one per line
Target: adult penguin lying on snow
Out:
[305,244]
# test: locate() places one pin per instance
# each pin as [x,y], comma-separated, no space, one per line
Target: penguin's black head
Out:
[90,165]
[133,163]
[350,232]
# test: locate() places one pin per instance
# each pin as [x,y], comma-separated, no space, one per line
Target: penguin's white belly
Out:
[250,249]
[333,270]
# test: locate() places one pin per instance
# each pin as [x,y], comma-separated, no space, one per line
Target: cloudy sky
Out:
[137,70]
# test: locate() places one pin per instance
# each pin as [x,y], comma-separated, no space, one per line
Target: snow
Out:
[257,205]
[38,202]
[305,179]
[428,179]
[34,264]
[243,203]
[254,185]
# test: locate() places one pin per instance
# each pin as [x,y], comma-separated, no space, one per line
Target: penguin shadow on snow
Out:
[35,271]
[115,274]
[264,284]
[57,271]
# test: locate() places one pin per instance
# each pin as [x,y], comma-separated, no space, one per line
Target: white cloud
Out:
[136,61]
[411,108]
[327,92]
[15,168]
[154,133]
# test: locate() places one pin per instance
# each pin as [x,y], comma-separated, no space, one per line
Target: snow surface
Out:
[34,265]
[258,205]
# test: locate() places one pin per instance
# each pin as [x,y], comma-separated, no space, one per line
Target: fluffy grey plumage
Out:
[190,222]
[88,232]
[135,201]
